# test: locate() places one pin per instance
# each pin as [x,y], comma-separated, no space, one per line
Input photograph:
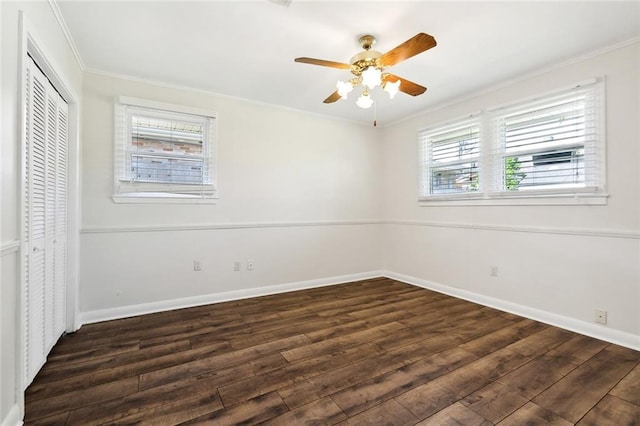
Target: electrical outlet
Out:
[493,271]
[601,316]
[250,265]
[236,266]
[197,266]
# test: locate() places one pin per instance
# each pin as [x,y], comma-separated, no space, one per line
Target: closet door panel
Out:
[60,241]
[45,219]
[35,227]
[50,220]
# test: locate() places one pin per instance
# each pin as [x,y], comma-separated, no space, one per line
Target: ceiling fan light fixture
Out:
[371,77]
[392,88]
[344,88]
[367,68]
[364,101]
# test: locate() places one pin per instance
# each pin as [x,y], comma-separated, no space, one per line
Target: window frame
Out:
[128,190]
[427,161]
[491,174]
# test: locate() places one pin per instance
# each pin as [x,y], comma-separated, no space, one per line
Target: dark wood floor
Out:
[371,352]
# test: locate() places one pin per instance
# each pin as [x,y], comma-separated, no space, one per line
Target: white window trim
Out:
[590,195]
[134,193]
[424,154]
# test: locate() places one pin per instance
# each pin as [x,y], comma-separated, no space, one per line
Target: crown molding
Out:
[67,34]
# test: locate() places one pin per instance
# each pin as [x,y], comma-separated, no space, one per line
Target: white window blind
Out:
[550,143]
[545,150]
[164,152]
[450,158]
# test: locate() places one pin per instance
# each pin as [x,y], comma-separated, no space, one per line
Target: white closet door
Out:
[60,241]
[35,187]
[50,221]
[44,197]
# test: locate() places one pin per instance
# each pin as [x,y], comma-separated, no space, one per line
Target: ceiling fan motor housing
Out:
[367,58]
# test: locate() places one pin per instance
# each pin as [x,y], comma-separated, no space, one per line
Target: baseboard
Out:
[618,337]
[593,330]
[206,299]
[13,418]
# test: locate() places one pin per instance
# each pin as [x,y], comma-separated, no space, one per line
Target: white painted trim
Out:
[541,97]
[164,106]
[583,232]
[520,78]
[219,226]
[221,95]
[206,299]
[526,199]
[31,43]
[67,34]
[160,198]
[593,330]
[426,111]
[14,418]
[9,248]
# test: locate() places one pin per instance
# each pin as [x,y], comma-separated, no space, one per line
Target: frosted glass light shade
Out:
[344,88]
[392,88]
[364,101]
[371,77]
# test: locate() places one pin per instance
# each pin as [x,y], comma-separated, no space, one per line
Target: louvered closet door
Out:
[45,200]
[60,241]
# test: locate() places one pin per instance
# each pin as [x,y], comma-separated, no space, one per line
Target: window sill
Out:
[573,199]
[142,198]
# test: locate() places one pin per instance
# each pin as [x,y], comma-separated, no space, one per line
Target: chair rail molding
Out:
[9,247]
[222,226]
[584,232]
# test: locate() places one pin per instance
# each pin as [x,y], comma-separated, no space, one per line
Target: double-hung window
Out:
[163,152]
[450,156]
[551,146]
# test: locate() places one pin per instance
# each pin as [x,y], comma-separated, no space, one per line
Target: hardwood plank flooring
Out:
[370,352]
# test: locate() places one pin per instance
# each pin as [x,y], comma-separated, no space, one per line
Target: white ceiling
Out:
[246,48]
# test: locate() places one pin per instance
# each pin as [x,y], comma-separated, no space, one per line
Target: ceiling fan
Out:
[369,67]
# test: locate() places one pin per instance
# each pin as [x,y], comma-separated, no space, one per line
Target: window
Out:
[451,155]
[163,151]
[551,146]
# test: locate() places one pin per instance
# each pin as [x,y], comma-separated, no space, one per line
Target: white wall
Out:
[299,195]
[303,196]
[46,32]
[280,170]
[558,263]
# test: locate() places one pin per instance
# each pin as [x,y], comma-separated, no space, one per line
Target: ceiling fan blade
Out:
[416,44]
[334,97]
[324,63]
[406,86]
